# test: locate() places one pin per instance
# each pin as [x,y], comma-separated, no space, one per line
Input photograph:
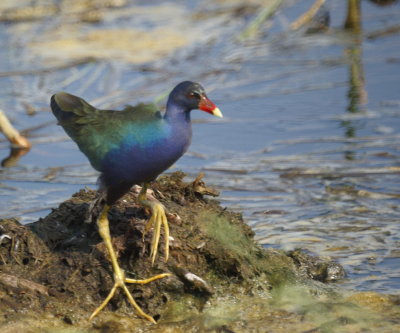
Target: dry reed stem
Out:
[12,135]
[307,16]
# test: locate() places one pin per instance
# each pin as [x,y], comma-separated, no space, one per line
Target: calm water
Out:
[309,149]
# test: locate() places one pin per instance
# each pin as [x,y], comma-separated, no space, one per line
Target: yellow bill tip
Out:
[217,112]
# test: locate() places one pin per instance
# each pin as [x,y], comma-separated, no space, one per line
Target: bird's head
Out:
[190,95]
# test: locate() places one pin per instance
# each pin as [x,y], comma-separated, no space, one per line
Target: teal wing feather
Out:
[96,131]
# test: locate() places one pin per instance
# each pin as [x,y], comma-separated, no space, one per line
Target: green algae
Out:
[228,235]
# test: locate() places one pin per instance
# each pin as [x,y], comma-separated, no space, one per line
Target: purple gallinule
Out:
[128,147]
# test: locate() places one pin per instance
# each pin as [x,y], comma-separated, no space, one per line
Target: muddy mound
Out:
[57,269]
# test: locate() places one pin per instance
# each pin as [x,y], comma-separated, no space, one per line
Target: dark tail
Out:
[71,113]
[65,106]
[61,115]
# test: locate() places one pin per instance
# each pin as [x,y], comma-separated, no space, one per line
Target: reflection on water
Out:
[357,94]
[13,158]
[301,151]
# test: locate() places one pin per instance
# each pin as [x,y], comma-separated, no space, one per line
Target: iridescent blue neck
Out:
[176,113]
[178,120]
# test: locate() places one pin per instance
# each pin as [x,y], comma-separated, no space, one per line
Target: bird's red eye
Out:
[193,94]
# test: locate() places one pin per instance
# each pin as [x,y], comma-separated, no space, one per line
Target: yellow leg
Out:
[158,218]
[119,274]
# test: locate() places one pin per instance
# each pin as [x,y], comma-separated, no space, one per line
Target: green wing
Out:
[95,131]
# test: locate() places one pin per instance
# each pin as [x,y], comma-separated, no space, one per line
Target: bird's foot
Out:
[120,282]
[158,218]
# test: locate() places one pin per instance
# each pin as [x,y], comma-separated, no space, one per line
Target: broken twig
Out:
[24,284]
[15,138]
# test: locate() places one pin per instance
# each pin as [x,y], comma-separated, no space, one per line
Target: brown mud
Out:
[55,272]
